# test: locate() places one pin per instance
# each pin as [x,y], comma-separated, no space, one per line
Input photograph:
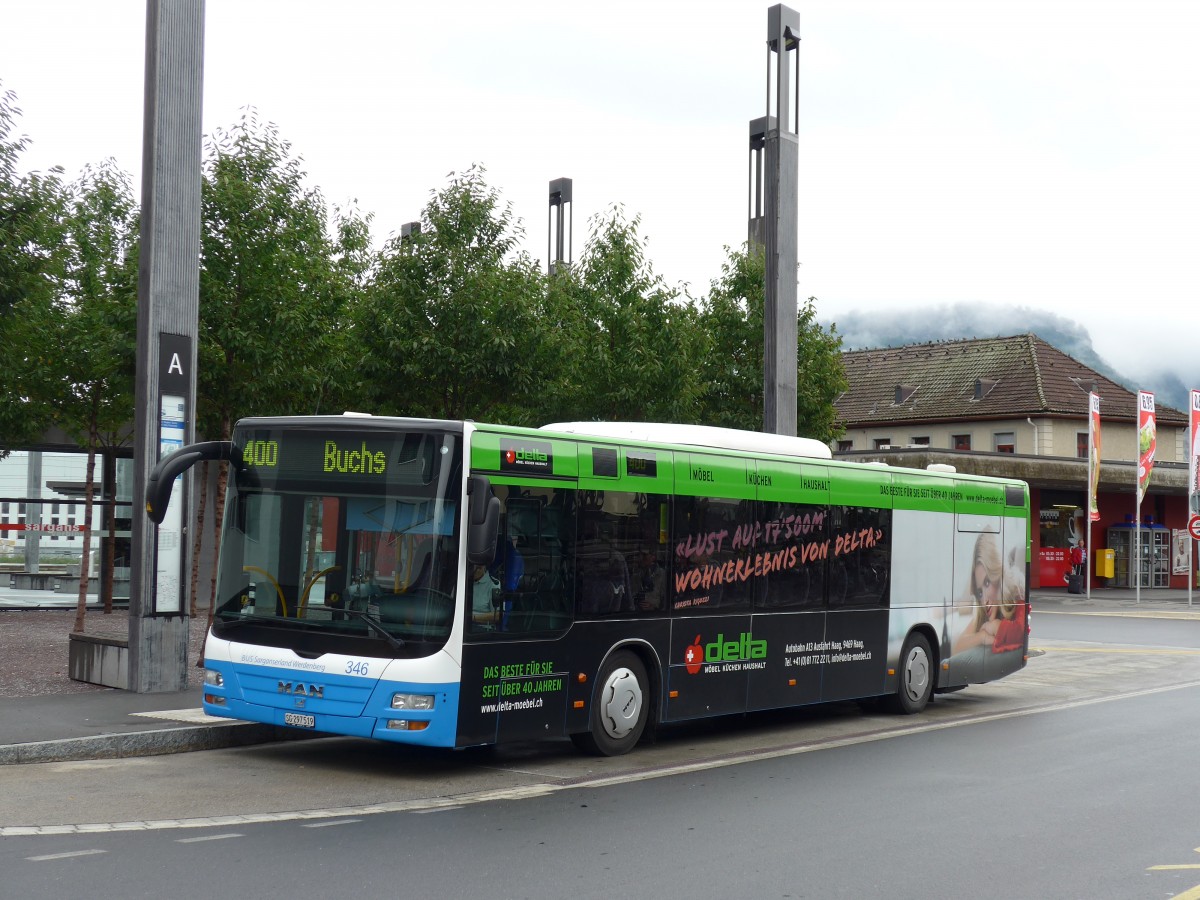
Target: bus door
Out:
[515,664]
[978,575]
[711,587]
[987,626]
[790,547]
[858,588]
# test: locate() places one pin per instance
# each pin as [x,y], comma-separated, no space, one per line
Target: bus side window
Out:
[703,539]
[602,578]
[798,582]
[859,569]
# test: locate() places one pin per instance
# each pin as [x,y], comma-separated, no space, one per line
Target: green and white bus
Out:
[451,583]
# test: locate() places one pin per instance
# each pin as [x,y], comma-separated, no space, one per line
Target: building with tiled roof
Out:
[1017,406]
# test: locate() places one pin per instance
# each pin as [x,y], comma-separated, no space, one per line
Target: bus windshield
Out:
[335,538]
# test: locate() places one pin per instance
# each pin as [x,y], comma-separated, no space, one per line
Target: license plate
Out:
[299,720]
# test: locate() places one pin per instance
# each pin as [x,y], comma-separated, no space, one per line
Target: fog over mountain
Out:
[1169,379]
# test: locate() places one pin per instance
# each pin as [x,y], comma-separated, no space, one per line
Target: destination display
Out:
[362,459]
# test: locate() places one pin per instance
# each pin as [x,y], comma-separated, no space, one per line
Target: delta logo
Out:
[525,456]
[745,649]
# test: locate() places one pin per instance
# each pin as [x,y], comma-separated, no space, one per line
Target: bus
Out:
[454,584]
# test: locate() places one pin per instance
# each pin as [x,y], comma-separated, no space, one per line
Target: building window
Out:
[919,441]
[1005,442]
[882,443]
[960,441]
[844,446]
[1081,444]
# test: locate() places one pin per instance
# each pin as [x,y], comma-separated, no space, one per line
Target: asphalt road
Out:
[1087,801]
[1073,778]
[1116,628]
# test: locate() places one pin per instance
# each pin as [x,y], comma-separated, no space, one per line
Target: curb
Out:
[159,742]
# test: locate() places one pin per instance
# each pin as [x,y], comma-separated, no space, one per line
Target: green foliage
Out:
[273,284]
[299,314]
[820,377]
[733,371]
[453,325]
[635,347]
[97,313]
[32,207]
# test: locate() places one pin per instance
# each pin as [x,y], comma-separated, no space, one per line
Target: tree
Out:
[31,222]
[97,318]
[453,325]
[269,303]
[273,287]
[733,370]
[637,343]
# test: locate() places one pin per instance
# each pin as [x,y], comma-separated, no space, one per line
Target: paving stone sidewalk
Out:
[34,647]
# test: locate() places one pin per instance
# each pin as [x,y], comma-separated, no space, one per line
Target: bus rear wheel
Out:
[916,677]
[619,707]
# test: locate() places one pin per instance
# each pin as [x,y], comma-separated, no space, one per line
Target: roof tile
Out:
[978,378]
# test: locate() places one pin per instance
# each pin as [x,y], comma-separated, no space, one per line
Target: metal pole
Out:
[1137,540]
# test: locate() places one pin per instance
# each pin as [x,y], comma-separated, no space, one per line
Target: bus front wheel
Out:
[916,677]
[619,707]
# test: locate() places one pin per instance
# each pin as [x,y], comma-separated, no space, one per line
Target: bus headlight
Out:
[412,701]
[213,677]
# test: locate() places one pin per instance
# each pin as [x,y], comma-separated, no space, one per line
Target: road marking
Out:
[210,837]
[64,855]
[330,824]
[195,716]
[1192,893]
[1121,613]
[530,791]
[1146,651]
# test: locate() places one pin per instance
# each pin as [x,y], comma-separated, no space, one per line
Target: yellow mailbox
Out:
[1105,563]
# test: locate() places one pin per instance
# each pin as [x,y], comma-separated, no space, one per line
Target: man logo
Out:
[300,689]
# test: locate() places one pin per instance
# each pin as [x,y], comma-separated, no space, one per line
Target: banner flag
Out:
[1147,441]
[1093,456]
[1194,455]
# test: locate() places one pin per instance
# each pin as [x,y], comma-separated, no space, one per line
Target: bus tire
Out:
[915,676]
[620,707]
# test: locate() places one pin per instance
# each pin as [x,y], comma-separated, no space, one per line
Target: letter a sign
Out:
[174,362]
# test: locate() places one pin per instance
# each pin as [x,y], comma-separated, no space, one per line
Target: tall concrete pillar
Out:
[559,221]
[779,227]
[168,311]
[756,213]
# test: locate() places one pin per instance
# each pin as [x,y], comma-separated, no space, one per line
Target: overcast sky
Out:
[1036,153]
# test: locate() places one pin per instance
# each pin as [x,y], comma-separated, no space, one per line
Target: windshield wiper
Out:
[250,618]
[376,626]
[372,623]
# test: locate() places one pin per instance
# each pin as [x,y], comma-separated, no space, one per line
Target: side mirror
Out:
[170,467]
[483,521]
